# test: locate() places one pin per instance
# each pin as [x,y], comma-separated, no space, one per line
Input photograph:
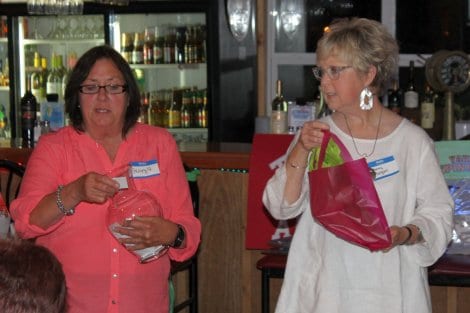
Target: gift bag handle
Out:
[327,135]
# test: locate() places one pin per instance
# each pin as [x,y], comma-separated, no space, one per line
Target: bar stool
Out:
[271,266]
[191,301]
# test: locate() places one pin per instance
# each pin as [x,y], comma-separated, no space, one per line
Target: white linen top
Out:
[325,274]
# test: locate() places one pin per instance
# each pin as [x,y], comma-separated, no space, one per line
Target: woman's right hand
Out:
[95,188]
[311,135]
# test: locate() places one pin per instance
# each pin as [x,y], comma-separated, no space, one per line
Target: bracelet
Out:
[408,237]
[294,165]
[59,203]
[420,237]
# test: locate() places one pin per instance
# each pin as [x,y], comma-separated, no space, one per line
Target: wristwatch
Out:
[179,237]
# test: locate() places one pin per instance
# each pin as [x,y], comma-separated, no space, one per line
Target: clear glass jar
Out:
[128,203]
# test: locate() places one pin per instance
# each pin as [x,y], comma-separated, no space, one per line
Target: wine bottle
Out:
[158,45]
[36,79]
[411,110]
[126,47]
[428,108]
[138,52]
[54,80]
[44,74]
[149,39]
[204,110]
[394,98]
[184,111]
[279,111]
[71,61]
[28,105]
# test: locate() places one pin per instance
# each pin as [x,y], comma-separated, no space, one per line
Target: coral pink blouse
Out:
[102,276]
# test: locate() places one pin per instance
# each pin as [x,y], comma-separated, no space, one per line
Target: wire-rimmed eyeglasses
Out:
[332,71]
[111,89]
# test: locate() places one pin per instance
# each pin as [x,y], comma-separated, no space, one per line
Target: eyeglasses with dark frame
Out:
[332,71]
[110,89]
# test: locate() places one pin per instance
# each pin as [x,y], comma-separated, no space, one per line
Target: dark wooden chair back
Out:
[11,174]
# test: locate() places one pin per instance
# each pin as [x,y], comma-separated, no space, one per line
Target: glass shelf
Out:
[63,41]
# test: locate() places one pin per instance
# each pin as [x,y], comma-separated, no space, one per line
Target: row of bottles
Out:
[175,108]
[419,109]
[289,116]
[165,44]
[50,80]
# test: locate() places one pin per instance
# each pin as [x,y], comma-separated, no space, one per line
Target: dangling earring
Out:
[366,100]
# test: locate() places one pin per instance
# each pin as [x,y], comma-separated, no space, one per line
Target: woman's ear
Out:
[370,75]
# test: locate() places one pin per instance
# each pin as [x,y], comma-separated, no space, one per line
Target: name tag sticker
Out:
[122,181]
[383,168]
[145,169]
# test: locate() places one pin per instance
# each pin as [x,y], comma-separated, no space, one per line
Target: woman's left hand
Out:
[399,235]
[147,231]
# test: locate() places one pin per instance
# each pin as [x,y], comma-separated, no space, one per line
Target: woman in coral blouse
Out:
[67,187]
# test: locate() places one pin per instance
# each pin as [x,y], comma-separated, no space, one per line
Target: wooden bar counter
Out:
[228,280]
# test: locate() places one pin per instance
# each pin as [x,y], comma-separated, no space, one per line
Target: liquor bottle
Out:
[428,108]
[126,47]
[174,115]
[36,79]
[60,65]
[394,98]
[28,105]
[199,43]
[158,45]
[193,107]
[138,52]
[202,43]
[54,80]
[44,74]
[180,42]
[411,103]
[279,111]
[204,110]
[184,111]
[153,109]
[144,109]
[169,46]
[199,108]
[189,46]
[71,61]
[149,39]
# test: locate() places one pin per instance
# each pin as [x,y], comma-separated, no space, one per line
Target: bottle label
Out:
[174,119]
[427,115]
[185,119]
[279,122]
[53,87]
[411,99]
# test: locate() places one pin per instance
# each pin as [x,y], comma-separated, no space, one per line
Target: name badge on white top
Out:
[145,169]
[383,168]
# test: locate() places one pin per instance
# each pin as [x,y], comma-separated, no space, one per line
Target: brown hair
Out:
[31,279]
[80,73]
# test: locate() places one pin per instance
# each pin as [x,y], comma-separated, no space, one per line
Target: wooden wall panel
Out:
[223,199]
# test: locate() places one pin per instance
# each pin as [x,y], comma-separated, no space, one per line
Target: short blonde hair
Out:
[362,43]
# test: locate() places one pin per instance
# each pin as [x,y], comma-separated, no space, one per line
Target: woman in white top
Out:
[356,59]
